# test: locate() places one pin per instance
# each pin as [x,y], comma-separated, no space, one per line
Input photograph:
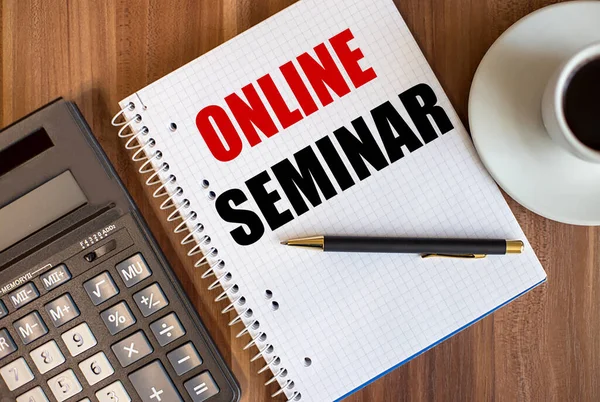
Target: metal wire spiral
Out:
[152,163]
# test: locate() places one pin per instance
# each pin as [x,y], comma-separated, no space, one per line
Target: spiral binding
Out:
[154,163]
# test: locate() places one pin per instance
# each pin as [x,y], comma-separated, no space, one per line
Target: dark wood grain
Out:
[543,347]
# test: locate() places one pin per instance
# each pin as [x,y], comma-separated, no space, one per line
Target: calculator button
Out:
[85,400]
[79,339]
[201,387]
[101,288]
[167,329]
[7,345]
[24,295]
[62,310]
[55,277]
[117,318]
[47,357]
[96,368]
[150,300]
[3,309]
[115,392]
[16,374]
[64,385]
[133,270]
[132,349]
[35,395]
[30,327]
[160,389]
[184,358]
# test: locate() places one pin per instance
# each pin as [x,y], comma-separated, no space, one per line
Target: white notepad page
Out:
[355,316]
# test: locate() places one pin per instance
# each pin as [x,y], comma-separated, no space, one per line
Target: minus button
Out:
[184,358]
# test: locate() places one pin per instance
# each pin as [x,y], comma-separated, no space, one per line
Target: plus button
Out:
[156,394]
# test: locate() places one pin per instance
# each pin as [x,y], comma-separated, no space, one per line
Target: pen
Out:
[428,248]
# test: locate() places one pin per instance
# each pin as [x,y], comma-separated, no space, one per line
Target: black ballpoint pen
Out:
[427,248]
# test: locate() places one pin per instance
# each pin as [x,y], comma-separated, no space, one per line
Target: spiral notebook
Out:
[325,119]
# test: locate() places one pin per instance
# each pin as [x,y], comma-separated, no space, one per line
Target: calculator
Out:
[89,308]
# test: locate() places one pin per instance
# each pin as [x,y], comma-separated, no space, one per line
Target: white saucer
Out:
[505,114]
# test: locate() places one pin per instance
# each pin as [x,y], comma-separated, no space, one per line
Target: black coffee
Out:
[582,104]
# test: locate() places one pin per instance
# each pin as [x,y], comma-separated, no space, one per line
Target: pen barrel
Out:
[413,245]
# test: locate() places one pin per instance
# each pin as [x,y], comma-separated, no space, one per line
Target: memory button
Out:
[30,327]
[62,310]
[24,295]
[3,309]
[7,345]
[55,277]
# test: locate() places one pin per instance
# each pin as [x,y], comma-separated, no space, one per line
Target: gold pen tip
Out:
[285,243]
[515,247]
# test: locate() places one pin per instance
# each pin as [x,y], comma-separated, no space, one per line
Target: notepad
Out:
[326,119]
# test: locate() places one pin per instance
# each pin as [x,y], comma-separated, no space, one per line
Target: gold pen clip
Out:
[458,256]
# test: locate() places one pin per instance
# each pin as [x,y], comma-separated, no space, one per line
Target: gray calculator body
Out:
[90,309]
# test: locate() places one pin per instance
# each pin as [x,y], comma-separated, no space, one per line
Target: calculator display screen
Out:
[39,208]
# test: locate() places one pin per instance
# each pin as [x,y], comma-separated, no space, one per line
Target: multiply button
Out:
[62,310]
[101,288]
[160,389]
[24,295]
[30,327]
[201,387]
[132,349]
[55,277]
[133,270]
[150,300]
[117,318]
[184,358]
[167,329]
[7,345]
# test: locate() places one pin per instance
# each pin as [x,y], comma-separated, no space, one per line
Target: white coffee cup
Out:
[553,105]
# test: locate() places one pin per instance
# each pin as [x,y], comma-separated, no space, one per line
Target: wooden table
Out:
[543,347]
